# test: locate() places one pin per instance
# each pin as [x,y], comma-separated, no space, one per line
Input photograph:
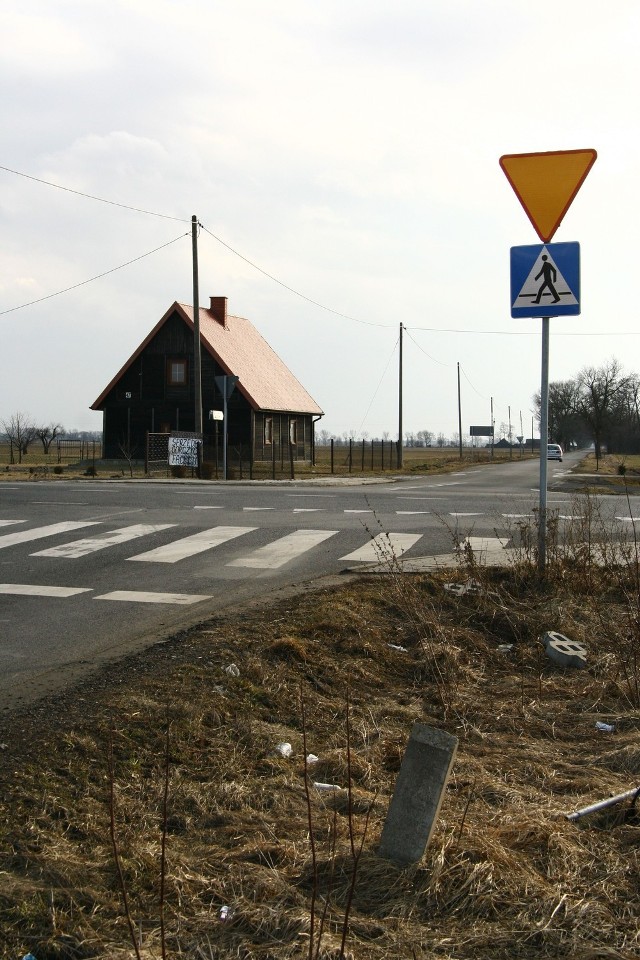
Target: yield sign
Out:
[546,183]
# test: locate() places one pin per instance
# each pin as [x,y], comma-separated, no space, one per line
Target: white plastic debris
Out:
[327,786]
[395,646]
[311,758]
[225,913]
[232,670]
[284,749]
[505,648]
[605,727]
[563,651]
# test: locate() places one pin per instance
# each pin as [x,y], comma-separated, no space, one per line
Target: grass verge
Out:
[229,815]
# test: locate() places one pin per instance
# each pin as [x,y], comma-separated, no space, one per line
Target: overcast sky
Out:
[349,148]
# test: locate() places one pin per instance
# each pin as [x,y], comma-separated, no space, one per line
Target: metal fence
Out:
[72,450]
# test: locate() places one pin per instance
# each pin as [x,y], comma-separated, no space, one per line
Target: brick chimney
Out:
[219,309]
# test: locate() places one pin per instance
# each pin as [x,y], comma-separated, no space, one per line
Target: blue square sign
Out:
[545,280]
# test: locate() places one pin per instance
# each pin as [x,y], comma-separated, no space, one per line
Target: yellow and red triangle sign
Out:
[546,183]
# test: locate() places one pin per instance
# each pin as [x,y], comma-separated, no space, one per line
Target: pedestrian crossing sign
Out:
[545,280]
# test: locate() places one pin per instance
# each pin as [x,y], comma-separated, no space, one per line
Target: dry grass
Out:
[506,874]
[36,466]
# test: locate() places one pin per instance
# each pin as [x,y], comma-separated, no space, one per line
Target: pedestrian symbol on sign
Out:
[549,273]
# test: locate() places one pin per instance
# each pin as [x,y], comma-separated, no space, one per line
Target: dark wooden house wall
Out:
[143,401]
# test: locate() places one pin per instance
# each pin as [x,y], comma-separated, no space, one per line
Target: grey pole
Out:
[197,367]
[400,458]
[459,415]
[492,430]
[544,437]
[225,431]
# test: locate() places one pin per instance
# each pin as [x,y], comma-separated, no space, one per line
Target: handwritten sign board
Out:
[183,452]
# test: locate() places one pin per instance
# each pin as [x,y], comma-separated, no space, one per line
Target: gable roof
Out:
[264,379]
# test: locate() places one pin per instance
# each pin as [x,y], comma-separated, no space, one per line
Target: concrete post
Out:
[418,794]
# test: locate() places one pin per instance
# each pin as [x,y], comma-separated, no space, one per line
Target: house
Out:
[270,416]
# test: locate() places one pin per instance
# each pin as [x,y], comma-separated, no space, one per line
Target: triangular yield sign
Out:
[546,183]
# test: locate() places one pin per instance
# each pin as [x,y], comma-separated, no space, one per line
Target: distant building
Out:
[269,415]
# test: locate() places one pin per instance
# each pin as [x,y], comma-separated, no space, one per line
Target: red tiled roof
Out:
[264,379]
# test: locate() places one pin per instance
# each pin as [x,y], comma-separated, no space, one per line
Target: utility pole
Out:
[400,458]
[459,415]
[197,365]
[492,430]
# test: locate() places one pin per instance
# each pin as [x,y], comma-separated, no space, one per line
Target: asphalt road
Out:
[93,570]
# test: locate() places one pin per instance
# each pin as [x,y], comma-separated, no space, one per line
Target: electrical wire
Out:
[441,362]
[384,373]
[297,293]
[90,196]
[91,279]
[316,303]
[471,385]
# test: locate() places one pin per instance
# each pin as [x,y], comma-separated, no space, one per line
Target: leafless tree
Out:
[48,434]
[601,398]
[20,431]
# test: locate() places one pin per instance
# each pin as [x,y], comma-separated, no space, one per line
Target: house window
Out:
[268,429]
[177,373]
[293,432]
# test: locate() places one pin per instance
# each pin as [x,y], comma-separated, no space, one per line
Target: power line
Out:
[471,385]
[345,316]
[375,393]
[530,333]
[90,196]
[441,362]
[91,279]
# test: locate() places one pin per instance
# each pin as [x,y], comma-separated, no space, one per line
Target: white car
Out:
[554,452]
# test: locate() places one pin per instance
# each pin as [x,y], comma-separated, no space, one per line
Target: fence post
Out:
[350,452]
[273,457]
[240,459]
[362,465]
[291,459]
[382,455]
[332,455]
[146,454]
[373,443]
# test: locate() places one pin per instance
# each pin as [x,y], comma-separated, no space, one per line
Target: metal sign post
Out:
[545,280]
[226,385]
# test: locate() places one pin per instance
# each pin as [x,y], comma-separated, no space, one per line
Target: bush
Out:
[58,469]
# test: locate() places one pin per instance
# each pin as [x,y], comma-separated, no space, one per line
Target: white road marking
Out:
[208,508]
[62,503]
[465,514]
[490,548]
[256,509]
[81,548]
[188,546]
[410,513]
[140,596]
[281,551]
[517,516]
[628,519]
[37,533]
[308,509]
[358,511]
[384,546]
[37,590]
[7,523]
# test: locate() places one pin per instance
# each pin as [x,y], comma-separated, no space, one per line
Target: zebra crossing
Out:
[271,556]
[275,554]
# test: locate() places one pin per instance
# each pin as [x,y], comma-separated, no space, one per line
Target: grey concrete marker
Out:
[418,794]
